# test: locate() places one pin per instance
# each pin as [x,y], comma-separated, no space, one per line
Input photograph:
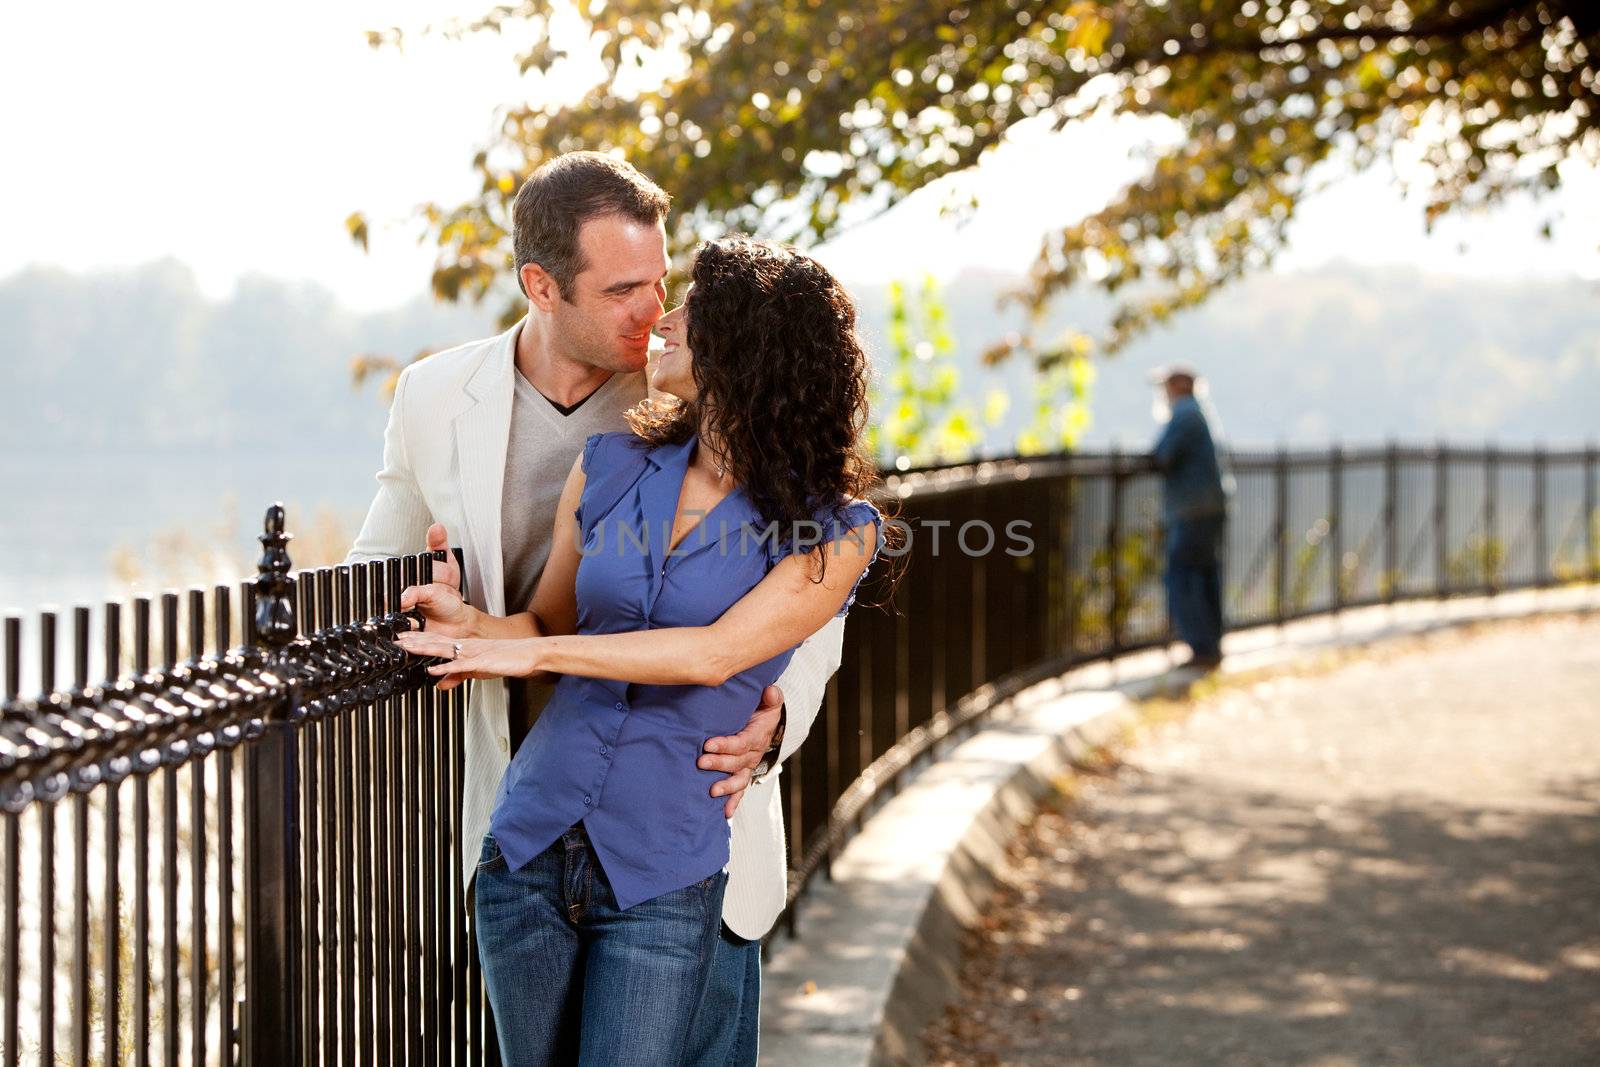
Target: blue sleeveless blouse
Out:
[620,758]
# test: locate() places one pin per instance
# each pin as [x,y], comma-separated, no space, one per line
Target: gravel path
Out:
[1392,861]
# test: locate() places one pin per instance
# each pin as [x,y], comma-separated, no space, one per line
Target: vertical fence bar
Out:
[311,841]
[1541,527]
[444,867]
[1491,520]
[1391,522]
[141,856]
[1591,521]
[399,866]
[197,626]
[863,700]
[1037,499]
[480,1033]
[984,586]
[413,854]
[923,535]
[80,864]
[1114,554]
[444,841]
[111,971]
[360,613]
[221,607]
[1441,520]
[1280,536]
[273,1024]
[337,582]
[1006,635]
[1075,492]
[13,850]
[1336,526]
[939,651]
[381,792]
[902,673]
[171,1033]
[198,957]
[1051,543]
[367,803]
[47,866]
[427,812]
[465,947]
[324,797]
[336,615]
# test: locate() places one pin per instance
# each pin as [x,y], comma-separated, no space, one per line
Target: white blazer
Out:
[444,460]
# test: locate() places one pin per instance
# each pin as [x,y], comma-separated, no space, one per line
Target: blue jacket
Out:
[1191,479]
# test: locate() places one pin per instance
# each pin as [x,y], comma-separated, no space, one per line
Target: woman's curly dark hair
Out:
[781,379]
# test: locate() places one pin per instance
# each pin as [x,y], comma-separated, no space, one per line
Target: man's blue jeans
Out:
[574,979]
[728,1024]
[1194,582]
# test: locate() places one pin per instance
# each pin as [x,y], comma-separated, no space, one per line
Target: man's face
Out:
[606,319]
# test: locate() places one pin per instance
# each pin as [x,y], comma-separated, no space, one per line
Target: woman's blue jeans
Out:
[574,979]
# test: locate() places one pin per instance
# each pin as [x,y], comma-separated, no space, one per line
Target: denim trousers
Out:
[1193,581]
[728,1023]
[572,978]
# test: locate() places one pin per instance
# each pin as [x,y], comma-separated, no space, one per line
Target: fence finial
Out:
[274,617]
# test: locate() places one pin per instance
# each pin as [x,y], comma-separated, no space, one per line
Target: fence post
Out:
[1391,521]
[1491,518]
[1335,527]
[1541,556]
[1441,522]
[272,1020]
[1069,548]
[1280,530]
[1113,556]
[1590,520]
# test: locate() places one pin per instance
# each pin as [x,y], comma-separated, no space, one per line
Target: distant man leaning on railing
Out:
[1194,511]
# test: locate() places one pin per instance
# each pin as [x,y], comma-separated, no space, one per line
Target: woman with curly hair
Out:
[703,547]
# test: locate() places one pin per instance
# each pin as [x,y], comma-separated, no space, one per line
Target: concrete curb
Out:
[878,951]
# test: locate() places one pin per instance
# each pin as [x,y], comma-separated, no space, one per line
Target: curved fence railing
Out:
[1308,533]
[217,853]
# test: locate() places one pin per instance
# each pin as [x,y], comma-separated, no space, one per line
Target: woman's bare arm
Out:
[778,614]
[554,609]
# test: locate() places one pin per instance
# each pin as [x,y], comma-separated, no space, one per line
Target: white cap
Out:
[1167,371]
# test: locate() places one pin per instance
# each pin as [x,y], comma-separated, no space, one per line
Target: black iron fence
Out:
[262,840]
[283,889]
[1308,533]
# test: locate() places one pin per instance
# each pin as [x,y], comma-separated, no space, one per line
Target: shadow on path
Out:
[1373,934]
[1217,907]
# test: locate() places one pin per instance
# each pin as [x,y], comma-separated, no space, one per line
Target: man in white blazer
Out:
[479,442]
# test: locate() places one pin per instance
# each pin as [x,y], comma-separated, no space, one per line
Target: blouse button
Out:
[586,799]
[618,705]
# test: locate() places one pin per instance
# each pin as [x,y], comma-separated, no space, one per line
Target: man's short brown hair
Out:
[563,194]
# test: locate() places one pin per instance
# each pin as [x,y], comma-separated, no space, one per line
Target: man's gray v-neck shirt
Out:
[539,452]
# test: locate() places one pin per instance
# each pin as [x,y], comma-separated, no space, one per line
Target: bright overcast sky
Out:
[237,138]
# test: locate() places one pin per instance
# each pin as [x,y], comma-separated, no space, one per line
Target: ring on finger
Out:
[457,647]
